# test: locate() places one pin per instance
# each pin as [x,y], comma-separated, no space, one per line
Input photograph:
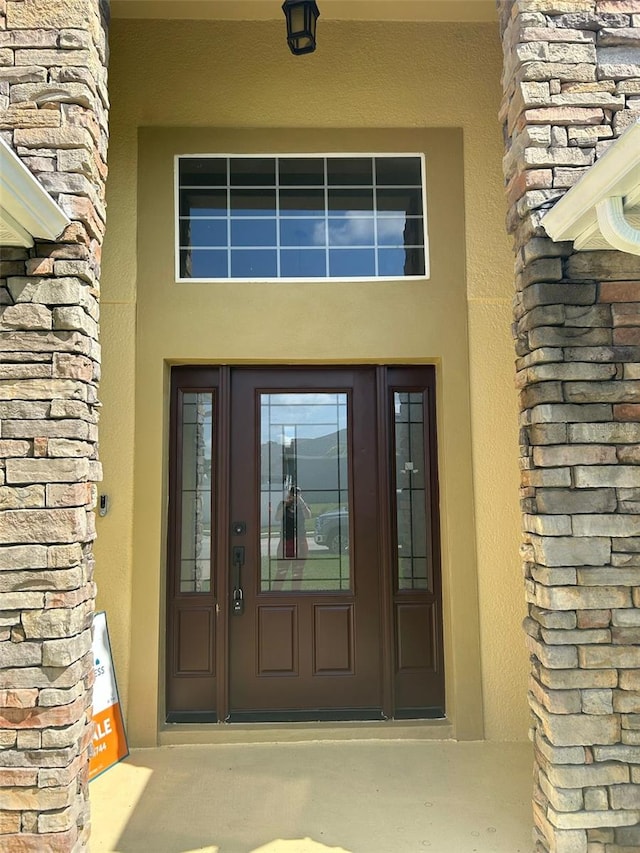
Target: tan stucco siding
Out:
[230,78]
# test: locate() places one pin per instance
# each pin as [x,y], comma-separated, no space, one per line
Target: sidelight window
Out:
[301,217]
[196,436]
[414,567]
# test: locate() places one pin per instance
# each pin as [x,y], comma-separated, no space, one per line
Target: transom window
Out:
[301,217]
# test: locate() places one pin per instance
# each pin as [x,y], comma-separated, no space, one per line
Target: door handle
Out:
[237,603]
[237,596]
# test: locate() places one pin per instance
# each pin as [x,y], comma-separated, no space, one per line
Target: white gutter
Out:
[615,228]
[27,211]
[602,211]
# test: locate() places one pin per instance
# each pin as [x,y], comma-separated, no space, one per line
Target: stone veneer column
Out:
[572,85]
[53,112]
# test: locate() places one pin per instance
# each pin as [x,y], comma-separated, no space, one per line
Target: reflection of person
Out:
[293,547]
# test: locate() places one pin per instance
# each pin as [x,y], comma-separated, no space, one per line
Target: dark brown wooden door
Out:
[307,641]
[303,559]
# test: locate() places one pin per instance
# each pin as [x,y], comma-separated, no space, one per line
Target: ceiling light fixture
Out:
[302,16]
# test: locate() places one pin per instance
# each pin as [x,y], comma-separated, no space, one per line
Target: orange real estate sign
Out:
[109,739]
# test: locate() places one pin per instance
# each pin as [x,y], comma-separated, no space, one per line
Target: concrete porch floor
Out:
[348,796]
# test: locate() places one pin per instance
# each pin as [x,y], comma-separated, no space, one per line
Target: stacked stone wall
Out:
[53,113]
[572,86]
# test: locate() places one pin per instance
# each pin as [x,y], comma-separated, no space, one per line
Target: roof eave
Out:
[593,211]
[27,211]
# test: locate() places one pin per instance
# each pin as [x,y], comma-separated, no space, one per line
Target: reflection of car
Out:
[332,530]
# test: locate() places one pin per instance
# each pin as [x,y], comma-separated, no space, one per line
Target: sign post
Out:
[109,739]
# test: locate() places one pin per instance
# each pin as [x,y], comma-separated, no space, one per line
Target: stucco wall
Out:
[232,75]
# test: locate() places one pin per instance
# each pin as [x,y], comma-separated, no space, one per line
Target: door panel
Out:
[195,641]
[333,640]
[415,641]
[303,552]
[277,640]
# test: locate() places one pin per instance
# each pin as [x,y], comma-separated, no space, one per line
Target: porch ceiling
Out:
[337,10]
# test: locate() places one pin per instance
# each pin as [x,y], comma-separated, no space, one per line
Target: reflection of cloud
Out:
[300,415]
[391,230]
[353,230]
[318,234]
[356,230]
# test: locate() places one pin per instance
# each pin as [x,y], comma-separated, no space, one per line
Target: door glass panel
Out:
[195,532]
[411,497]
[304,492]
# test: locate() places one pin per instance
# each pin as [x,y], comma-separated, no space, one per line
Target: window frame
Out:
[293,279]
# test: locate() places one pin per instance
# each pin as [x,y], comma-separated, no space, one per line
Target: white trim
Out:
[299,155]
[27,210]
[601,210]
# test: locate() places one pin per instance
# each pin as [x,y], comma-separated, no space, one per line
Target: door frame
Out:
[385,509]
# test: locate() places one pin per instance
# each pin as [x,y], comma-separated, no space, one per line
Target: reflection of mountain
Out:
[314,464]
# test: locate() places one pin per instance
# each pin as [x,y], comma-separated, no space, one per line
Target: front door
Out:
[307,639]
[303,558]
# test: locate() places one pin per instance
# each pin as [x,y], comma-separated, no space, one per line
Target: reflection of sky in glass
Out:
[349,229]
[353,231]
[296,263]
[253,232]
[303,263]
[254,263]
[296,416]
[344,263]
[303,232]
[206,232]
[391,231]
[207,263]
[356,230]
[391,261]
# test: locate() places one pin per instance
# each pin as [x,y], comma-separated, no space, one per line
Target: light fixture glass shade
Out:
[302,16]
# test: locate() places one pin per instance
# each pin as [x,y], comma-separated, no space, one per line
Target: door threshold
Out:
[343,715]
[248,733]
